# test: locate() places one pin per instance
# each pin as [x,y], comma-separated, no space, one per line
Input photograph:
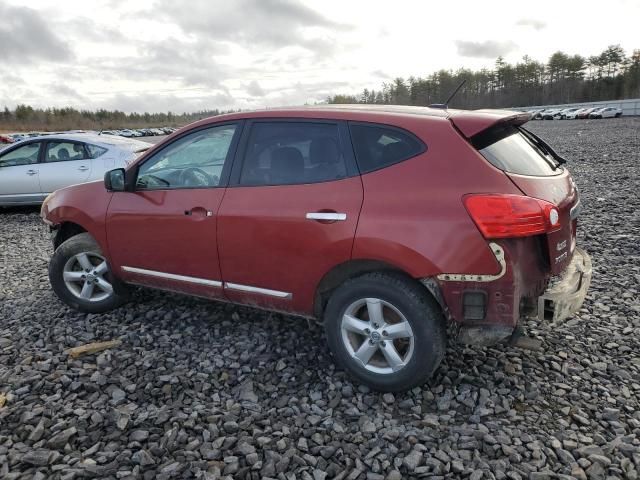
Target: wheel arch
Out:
[65,231]
[355,268]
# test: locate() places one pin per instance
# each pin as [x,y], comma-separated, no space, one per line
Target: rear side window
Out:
[378,146]
[95,151]
[288,153]
[511,150]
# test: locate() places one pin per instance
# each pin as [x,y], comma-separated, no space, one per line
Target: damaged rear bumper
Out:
[566,293]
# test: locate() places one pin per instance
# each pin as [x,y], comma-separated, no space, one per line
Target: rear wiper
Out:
[543,146]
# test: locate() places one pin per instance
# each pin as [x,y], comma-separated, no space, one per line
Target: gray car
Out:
[32,169]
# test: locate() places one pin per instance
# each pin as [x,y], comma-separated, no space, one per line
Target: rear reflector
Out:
[508,216]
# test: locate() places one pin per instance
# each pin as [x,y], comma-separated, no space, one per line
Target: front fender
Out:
[84,205]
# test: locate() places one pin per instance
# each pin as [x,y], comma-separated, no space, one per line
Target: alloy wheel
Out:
[377,335]
[85,276]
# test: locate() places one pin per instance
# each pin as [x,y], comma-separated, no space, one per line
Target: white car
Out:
[572,115]
[33,168]
[567,113]
[606,112]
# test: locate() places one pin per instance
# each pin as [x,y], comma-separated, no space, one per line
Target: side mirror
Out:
[114,180]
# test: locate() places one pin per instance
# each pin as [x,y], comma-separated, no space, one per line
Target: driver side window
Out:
[194,161]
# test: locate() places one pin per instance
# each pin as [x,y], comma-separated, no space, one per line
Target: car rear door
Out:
[163,234]
[290,212]
[19,174]
[64,163]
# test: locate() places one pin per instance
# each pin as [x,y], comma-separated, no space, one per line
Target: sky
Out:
[185,56]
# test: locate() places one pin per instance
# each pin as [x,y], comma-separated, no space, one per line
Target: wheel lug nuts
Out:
[385,333]
[367,331]
[383,344]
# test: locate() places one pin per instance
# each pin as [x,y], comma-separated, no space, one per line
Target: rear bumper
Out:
[520,290]
[565,294]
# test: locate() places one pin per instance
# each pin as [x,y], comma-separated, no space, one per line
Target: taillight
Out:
[507,216]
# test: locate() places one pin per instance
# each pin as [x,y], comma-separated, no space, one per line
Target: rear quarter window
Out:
[510,150]
[378,146]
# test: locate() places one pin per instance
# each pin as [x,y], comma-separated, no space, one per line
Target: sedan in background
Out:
[586,112]
[574,113]
[551,113]
[566,113]
[33,168]
[606,112]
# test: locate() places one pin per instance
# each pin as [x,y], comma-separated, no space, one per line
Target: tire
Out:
[400,299]
[84,289]
[618,115]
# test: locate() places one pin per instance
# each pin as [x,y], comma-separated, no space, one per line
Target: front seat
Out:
[287,166]
[63,154]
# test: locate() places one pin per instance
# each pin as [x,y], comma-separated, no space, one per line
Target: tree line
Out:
[26,118]
[564,78]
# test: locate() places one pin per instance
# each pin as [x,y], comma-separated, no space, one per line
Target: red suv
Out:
[385,222]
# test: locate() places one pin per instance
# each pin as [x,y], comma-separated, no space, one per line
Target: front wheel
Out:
[386,331]
[80,276]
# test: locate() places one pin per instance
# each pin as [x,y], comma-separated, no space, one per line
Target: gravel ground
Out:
[206,390]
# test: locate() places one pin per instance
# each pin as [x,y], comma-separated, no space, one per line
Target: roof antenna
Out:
[445,105]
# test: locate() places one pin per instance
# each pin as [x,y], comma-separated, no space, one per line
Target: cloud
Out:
[532,22]
[486,49]
[66,92]
[255,90]
[192,63]
[26,37]
[154,102]
[255,23]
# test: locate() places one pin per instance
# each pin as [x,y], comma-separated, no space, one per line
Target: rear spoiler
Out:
[473,122]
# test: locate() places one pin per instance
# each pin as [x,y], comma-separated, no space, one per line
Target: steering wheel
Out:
[196,177]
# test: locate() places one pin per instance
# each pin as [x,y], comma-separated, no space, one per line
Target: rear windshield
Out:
[515,151]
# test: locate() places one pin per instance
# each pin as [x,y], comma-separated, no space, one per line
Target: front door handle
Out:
[198,212]
[31,172]
[83,168]
[327,216]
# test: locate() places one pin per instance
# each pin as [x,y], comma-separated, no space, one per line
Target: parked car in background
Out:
[586,112]
[18,137]
[4,139]
[574,113]
[566,112]
[33,168]
[606,112]
[350,214]
[551,113]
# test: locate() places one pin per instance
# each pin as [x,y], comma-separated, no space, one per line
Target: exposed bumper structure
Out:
[565,294]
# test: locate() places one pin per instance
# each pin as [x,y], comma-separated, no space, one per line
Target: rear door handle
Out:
[327,216]
[83,168]
[31,172]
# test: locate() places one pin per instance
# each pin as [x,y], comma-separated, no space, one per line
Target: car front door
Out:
[64,163]
[289,214]
[19,174]
[163,234]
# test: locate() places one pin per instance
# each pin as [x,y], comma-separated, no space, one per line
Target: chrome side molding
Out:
[263,291]
[331,216]
[173,276]
[210,283]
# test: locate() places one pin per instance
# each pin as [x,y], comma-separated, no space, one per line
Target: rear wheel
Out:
[81,277]
[386,331]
